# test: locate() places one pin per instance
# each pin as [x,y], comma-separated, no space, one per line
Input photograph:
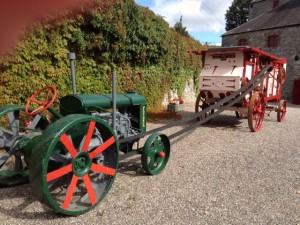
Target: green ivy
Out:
[148,55]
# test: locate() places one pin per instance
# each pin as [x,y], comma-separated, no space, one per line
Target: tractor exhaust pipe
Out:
[114,98]
[72,57]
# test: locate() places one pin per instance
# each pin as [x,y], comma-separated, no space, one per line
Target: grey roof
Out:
[285,15]
[256,1]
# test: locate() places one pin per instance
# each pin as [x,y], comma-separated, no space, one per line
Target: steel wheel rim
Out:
[155,154]
[86,173]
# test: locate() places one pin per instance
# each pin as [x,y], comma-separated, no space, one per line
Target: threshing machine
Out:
[227,69]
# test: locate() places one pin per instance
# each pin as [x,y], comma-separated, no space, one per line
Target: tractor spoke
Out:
[5,137]
[14,122]
[70,192]
[88,136]
[18,163]
[59,172]
[34,122]
[102,148]
[89,188]
[103,169]
[151,163]
[158,145]
[5,157]
[60,158]
[69,145]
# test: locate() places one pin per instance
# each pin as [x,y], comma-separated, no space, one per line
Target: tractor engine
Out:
[124,127]
[130,111]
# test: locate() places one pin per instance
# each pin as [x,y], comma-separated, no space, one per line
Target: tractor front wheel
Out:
[155,154]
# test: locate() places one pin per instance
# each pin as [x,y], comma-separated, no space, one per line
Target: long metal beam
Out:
[220,106]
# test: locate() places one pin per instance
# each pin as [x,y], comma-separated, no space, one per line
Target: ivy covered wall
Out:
[146,53]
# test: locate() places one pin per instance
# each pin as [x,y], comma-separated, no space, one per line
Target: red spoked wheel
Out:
[200,105]
[256,111]
[78,166]
[281,111]
[41,100]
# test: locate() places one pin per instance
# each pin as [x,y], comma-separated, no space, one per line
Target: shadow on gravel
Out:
[23,210]
[132,167]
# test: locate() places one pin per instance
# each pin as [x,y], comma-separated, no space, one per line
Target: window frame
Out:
[275,3]
[243,42]
[273,41]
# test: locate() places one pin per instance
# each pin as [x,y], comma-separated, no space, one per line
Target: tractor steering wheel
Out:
[41,100]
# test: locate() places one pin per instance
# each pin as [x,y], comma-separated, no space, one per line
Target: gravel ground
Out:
[220,173]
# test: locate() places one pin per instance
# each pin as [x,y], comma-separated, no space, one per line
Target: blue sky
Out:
[204,19]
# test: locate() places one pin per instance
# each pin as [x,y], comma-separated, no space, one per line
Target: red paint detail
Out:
[70,192]
[103,169]
[89,136]
[89,188]
[69,145]
[59,173]
[162,155]
[102,147]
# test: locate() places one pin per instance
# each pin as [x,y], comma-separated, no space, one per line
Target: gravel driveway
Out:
[220,173]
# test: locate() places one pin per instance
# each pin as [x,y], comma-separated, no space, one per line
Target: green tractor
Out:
[69,152]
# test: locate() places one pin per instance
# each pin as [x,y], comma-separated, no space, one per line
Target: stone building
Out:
[273,26]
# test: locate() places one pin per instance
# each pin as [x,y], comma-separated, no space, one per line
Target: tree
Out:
[181,29]
[237,14]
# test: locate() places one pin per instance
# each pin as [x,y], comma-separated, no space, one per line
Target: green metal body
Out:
[131,102]
[75,152]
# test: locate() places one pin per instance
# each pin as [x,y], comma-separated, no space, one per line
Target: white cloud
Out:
[198,15]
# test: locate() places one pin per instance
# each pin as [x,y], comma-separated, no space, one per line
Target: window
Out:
[243,42]
[273,41]
[275,3]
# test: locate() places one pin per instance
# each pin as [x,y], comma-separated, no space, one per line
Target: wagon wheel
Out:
[41,100]
[201,105]
[155,154]
[76,165]
[281,111]
[15,131]
[256,111]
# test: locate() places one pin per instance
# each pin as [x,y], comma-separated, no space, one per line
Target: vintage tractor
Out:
[70,155]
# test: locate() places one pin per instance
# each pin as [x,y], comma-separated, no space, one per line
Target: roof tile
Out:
[287,14]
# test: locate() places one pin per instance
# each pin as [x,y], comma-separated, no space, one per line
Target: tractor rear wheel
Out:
[16,130]
[76,164]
